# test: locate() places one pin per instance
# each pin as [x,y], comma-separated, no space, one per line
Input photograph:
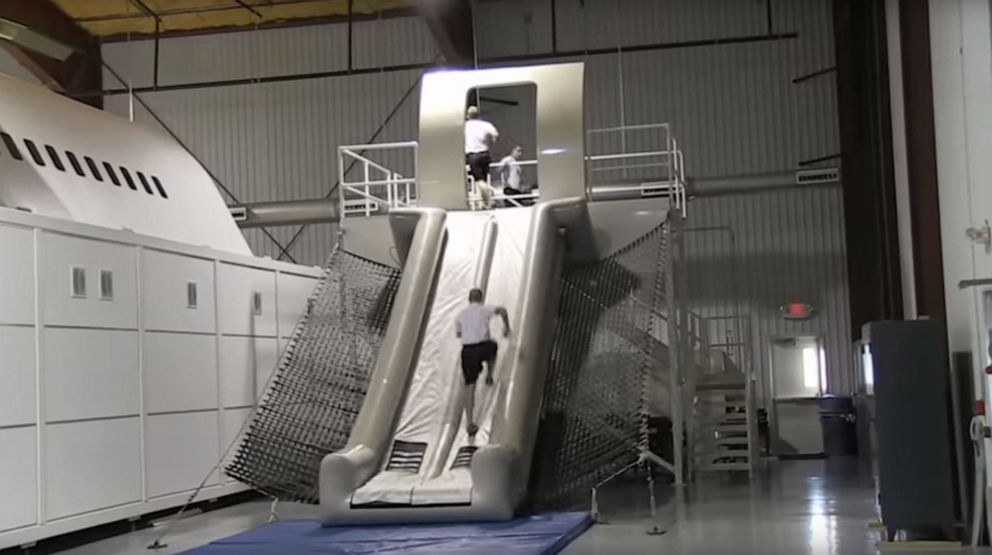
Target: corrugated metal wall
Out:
[735,110]
[774,247]
[733,107]
[278,141]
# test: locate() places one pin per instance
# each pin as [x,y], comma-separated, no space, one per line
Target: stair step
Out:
[730,449]
[724,421]
[731,427]
[731,440]
[722,403]
[723,467]
[723,389]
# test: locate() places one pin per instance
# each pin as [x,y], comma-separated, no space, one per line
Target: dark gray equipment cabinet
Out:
[916,466]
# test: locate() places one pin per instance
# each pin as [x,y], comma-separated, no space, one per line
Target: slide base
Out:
[541,534]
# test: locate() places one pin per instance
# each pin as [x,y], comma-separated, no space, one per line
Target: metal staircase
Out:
[721,420]
[722,424]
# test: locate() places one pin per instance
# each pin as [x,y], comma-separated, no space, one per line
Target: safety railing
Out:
[651,165]
[378,186]
[643,159]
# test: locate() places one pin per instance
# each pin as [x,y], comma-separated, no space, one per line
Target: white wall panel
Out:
[244,360]
[180,372]
[18,477]
[164,301]
[17,279]
[180,450]
[92,465]
[90,374]
[59,253]
[293,294]
[17,377]
[236,287]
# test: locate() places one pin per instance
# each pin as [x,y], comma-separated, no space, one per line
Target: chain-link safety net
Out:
[314,397]
[606,345]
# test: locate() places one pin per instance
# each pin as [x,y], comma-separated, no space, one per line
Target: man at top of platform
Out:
[480,135]
[478,348]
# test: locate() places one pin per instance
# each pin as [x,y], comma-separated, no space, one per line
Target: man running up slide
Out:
[472,328]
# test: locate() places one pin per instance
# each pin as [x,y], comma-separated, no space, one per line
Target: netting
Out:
[605,347]
[318,388]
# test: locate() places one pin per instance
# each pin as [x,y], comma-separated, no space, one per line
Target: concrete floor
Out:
[799,507]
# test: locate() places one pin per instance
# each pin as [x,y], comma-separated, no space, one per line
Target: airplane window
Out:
[35,155]
[144,183]
[158,185]
[11,146]
[110,173]
[127,177]
[56,161]
[93,169]
[75,164]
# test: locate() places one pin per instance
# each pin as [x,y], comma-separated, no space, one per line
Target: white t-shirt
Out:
[477,135]
[509,170]
[472,323]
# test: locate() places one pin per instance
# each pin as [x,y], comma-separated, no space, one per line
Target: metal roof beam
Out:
[79,72]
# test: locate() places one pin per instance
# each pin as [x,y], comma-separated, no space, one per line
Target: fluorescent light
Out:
[552,151]
[34,41]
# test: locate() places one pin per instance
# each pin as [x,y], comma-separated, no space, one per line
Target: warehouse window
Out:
[158,185]
[93,169]
[144,183]
[110,173]
[75,164]
[35,155]
[56,161]
[11,146]
[128,179]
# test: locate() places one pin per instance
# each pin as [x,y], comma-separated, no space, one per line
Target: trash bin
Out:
[840,430]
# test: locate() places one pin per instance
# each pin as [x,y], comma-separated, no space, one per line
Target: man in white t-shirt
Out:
[472,328]
[509,171]
[480,135]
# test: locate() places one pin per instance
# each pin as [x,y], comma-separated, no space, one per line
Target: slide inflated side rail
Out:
[345,470]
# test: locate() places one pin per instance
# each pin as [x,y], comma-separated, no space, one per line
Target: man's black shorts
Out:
[478,164]
[473,356]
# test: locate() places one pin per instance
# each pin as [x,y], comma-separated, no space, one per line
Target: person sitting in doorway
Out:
[509,172]
[478,349]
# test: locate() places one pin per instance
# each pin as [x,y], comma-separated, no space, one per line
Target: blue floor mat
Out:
[533,535]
